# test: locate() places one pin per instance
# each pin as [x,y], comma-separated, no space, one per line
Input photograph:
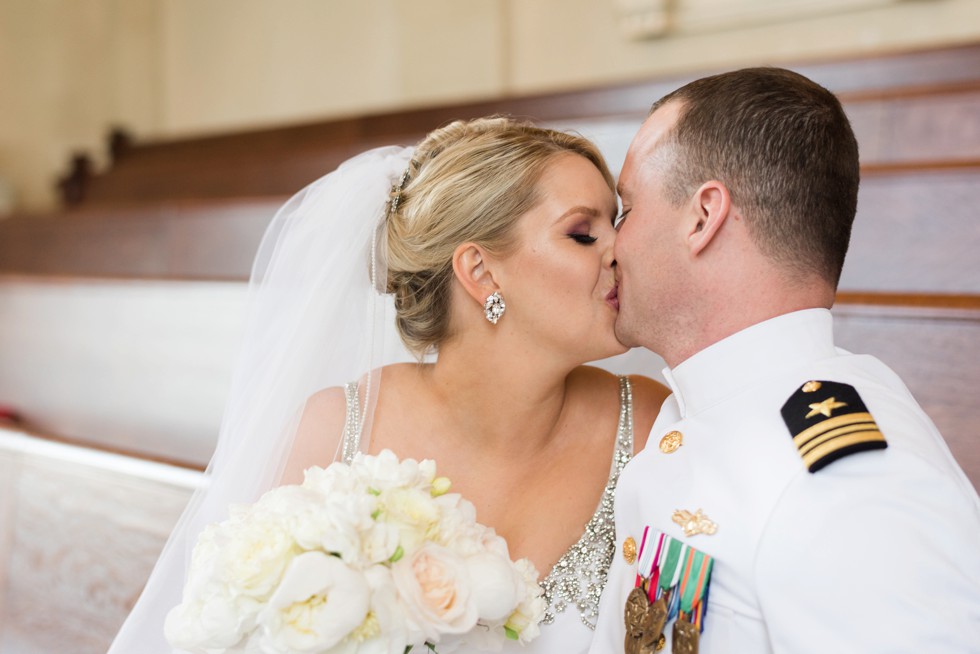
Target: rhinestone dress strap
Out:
[352,423]
[579,576]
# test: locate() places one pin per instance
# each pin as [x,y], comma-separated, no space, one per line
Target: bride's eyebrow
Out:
[592,212]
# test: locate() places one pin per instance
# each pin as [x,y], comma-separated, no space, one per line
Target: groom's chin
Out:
[625,335]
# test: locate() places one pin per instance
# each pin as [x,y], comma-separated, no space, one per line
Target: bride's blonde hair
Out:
[468,181]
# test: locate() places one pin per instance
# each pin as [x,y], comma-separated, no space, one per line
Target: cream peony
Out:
[319,602]
[496,585]
[253,555]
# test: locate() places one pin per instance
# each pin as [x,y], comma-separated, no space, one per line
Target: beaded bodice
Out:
[577,579]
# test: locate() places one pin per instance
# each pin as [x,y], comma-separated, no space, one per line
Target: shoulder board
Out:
[828,420]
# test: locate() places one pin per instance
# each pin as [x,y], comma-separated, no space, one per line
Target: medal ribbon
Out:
[694,585]
[670,566]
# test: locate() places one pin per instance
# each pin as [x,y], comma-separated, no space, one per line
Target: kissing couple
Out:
[443,301]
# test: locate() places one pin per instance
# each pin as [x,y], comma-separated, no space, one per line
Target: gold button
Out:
[671,442]
[629,550]
[660,643]
[811,387]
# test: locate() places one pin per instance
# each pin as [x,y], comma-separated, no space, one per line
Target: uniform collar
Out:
[732,364]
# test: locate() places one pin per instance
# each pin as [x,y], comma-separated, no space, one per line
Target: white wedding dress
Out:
[574,584]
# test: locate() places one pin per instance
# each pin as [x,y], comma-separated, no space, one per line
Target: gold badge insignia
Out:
[694,523]
[671,442]
[629,550]
[825,408]
[811,387]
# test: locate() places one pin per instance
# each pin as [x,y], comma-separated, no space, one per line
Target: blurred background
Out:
[145,144]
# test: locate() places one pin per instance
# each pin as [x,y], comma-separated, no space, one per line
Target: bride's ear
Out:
[473,269]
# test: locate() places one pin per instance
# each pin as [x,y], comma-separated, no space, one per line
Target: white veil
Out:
[315,320]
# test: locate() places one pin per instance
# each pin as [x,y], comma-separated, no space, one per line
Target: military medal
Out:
[651,603]
[671,582]
[641,632]
[684,638]
[692,603]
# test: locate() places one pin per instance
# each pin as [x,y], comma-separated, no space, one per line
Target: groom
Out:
[792,497]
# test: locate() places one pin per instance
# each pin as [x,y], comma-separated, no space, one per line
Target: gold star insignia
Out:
[826,407]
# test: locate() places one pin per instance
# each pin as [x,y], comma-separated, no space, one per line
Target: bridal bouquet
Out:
[376,556]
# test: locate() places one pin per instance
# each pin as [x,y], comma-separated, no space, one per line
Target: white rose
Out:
[497,586]
[336,524]
[214,622]
[434,586]
[385,471]
[253,554]
[526,618]
[336,478]
[413,512]
[319,602]
[387,628]
[457,528]
[380,543]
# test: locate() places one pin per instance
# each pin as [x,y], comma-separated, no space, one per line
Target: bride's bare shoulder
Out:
[326,410]
[648,396]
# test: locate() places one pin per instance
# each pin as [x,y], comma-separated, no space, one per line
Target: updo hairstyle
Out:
[468,182]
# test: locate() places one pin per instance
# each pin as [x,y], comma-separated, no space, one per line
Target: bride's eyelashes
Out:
[584,239]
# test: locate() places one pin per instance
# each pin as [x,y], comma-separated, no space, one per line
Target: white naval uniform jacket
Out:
[877,552]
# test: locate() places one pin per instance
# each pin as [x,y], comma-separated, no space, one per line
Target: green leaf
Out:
[374,491]
[513,635]
[377,512]
[399,553]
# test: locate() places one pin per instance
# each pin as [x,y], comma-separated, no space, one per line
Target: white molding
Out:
[653,19]
[18,442]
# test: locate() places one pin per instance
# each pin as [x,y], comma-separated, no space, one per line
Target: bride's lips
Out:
[612,297]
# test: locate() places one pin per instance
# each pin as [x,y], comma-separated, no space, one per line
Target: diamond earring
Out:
[494,307]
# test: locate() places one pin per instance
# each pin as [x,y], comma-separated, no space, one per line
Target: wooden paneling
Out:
[199,240]
[934,124]
[279,161]
[916,232]
[934,351]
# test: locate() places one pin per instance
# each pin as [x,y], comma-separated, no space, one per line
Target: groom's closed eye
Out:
[620,219]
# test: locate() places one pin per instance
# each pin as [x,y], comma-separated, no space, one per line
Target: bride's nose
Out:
[609,254]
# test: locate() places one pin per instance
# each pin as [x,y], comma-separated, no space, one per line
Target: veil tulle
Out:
[315,319]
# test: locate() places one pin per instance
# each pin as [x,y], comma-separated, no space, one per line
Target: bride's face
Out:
[559,284]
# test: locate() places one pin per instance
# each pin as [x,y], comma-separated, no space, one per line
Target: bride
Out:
[488,250]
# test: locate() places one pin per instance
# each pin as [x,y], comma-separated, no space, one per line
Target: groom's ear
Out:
[711,206]
[471,264]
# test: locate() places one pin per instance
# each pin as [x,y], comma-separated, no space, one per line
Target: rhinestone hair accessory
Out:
[494,307]
[399,188]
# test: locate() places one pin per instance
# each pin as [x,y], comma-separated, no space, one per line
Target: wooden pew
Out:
[193,209]
[80,530]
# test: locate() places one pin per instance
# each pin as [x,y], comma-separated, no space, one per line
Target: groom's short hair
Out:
[784,148]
